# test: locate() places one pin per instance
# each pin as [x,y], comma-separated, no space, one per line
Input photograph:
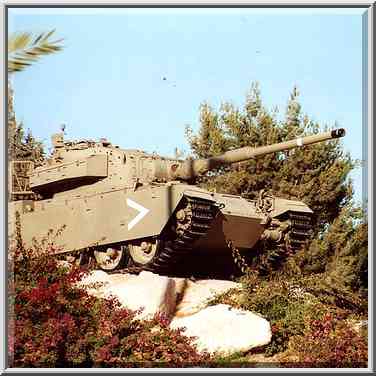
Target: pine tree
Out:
[344,251]
[21,146]
[316,174]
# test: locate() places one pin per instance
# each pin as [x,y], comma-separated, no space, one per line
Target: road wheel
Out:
[144,252]
[111,258]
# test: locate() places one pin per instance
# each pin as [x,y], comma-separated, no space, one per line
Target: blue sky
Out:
[108,80]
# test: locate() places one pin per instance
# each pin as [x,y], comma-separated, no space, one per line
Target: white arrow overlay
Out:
[142,212]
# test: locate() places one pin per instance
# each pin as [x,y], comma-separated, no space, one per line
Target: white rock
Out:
[180,284]
[95,283]
[153,293]
[225,330]
[94,277]
[149,291]
[119,278]
[196,295]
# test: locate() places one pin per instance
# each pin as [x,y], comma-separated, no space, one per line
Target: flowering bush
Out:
[308,328]
[53,323]
[330,342]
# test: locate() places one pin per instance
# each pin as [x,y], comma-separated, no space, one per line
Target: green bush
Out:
[280,304]
[291,305]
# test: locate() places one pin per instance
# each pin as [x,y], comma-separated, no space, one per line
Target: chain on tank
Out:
[300,230]
[239,260]
[192,220]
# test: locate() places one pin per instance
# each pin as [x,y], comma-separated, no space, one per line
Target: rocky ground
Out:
[218,328]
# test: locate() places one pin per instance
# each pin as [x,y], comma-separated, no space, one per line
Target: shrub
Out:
[53,323]
[282,304]
[339,255]
[330,342]
[291,304]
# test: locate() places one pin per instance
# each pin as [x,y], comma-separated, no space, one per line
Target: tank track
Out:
[200,214]
[300,230]
[178,240]
[271,256]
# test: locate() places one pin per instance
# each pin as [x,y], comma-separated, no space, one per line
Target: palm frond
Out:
[24,48]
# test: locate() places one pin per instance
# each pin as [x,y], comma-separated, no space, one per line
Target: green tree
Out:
[316,174]
[340,256]
[21,146]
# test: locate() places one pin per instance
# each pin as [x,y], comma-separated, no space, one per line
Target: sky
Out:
[138,76]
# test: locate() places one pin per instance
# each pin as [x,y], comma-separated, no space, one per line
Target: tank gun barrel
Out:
[193,168]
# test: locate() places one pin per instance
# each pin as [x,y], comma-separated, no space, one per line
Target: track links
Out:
[177,244]
[301,229]
[202,213]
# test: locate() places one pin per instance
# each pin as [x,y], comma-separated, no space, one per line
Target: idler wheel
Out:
[110,258]
[144,252]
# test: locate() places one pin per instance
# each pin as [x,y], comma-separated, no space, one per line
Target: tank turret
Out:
[95,166]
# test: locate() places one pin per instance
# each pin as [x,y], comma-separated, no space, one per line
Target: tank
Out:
[127,208]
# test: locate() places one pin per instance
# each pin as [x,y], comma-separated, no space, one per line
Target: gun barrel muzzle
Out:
[337,133]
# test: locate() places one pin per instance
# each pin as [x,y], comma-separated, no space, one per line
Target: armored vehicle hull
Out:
[125,209]
[155,227]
